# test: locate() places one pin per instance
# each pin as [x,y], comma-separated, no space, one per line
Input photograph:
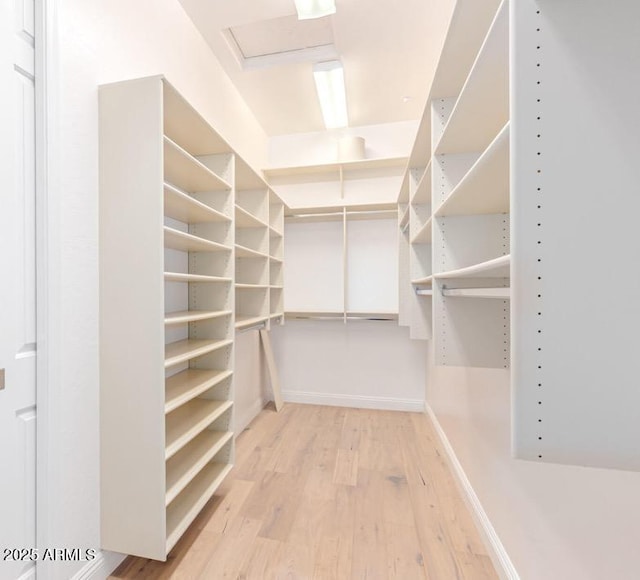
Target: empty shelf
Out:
[177,240]
[193,316]
[424,234]
[184,350]
[185,465]
[245,219]
[276,287]
[188,384]
[243,252]
[275,259]
[496,268]
[485,188]
[181,277]
[426,281]
[189,420]
[422,194]
[190,502]
[182,207]
[404,220]
[275,232]
[186,172]
[247,321]
[483,106]
[500,293]
[252,286]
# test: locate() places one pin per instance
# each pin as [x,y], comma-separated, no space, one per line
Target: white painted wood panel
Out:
[575,142]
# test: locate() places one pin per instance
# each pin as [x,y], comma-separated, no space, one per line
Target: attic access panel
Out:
[279,40]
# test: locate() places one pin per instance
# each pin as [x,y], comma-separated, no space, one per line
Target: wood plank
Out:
[346,469]
[274,378]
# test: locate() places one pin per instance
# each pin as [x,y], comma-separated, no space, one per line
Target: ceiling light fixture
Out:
[329,77]
[308,9]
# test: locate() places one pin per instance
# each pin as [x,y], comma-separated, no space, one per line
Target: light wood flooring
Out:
[330,493]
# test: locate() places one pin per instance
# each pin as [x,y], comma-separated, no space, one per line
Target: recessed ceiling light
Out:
[314,8]
[329,77]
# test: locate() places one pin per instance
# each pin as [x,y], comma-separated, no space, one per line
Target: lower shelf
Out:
[185,465]
[189,420]
[247,321]
[188,384]
[183,510]
[184,350]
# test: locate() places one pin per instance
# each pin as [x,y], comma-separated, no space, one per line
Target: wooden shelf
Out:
[196,278]
[182,207]
[497,293]
[247,321]
[483,106]
[275,259]
[485,188]
[251,286]
[346,166]
[183,510]
[246,177]
[184,350]
[189,420]
[275,233]
[193,316]
[422,194]
[404,220]
[424,234]
[245,219]
[188,384]
[184,125]
[177,240]
[276,287]
[186,172]
[244,252]
[185,465]
[427,281]
[496,268]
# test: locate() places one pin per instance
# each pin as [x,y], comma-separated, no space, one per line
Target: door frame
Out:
[47,278]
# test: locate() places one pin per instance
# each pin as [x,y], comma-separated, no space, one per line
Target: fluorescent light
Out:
[329,77]
[308,9]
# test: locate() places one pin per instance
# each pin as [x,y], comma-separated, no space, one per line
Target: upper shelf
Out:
[182,207]
[335,168]
[245,219]
[423,235]
[482,108]
[422,194]
[177,240]
[246,177]
[496,268]
[184,125]
[186,172]
[485,188]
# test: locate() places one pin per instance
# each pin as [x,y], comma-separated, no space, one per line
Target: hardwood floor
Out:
[330,493]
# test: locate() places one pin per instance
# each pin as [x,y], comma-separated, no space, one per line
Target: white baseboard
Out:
[357,401]
[497,552]
[100,568]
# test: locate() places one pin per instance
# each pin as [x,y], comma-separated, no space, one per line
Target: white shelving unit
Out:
[183,220]
[276,257]
[252,247]
[336,265]
[457,191]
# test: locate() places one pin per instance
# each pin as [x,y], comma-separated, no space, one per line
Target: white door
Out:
[17,289]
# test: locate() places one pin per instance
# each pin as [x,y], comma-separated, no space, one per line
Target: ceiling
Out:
[383,45]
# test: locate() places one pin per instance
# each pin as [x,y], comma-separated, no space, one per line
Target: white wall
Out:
[101,41]
[367,364]
[555,521]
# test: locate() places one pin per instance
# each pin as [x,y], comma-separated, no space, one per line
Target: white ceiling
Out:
[383,45]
